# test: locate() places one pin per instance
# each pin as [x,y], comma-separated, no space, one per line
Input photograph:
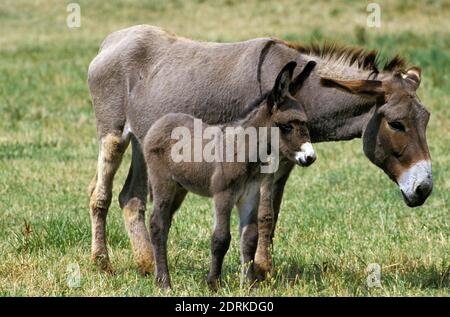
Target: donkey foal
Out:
[227,182]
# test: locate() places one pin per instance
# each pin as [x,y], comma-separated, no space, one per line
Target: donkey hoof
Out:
[105,267]
[144,271]
[166,287]
[146,268]
[163,283]
[102,263]
[262,271]
[213,284]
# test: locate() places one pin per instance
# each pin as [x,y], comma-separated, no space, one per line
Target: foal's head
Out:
[288,114]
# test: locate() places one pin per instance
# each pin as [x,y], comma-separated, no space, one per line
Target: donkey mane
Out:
[363,59]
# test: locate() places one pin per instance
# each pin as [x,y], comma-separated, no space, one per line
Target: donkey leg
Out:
[263,258]
[132,199]
[248,209]
[221,238]
[270,203]
[166,196]
[111,152]
[278,190]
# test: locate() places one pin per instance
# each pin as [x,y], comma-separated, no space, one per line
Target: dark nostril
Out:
[423,190]
[419,190]
[310,159]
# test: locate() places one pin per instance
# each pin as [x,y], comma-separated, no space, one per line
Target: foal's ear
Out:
[281,88]
[297,83]
[358,87]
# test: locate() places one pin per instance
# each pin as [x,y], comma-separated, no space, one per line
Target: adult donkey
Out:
[143,72]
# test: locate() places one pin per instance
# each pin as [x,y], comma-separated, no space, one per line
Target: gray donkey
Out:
[228,182]
[144,72]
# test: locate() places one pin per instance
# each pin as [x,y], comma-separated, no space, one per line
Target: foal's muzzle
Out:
[306,156]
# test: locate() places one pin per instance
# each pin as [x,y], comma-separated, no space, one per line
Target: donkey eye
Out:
[285,127]
[398,126]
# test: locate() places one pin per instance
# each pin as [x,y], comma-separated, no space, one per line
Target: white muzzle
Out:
[416,183]
[306,156]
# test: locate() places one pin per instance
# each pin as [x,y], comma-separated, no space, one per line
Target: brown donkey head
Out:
[394,137]
[288,114]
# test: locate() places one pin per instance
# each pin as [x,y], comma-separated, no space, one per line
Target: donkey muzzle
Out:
[306,156]
[416,183]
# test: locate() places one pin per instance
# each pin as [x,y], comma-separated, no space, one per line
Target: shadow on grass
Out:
[407,275]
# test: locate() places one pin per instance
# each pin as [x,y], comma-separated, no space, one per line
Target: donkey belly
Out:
[194,177]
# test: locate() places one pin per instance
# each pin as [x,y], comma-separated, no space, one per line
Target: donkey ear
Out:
[413,76]
[297,83]
[358,87]
[281,88]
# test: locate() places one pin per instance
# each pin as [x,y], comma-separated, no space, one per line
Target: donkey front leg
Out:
[269,208]
[111,152]
[277,192]
[263,259]
[220,241]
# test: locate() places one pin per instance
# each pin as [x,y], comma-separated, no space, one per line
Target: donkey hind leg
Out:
[132,200]
[167,199]
[221,238]
[248,208]
[112,148]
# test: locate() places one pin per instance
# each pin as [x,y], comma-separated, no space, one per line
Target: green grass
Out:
[337,216]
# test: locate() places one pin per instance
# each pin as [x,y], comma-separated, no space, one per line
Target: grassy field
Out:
[349,214]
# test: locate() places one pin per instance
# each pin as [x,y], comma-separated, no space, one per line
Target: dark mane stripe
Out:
[367,60]
[252,106]
[262,57]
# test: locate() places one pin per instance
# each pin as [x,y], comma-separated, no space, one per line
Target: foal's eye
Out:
[397,126]
[285,127]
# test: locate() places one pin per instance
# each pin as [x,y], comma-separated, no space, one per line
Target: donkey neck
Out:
[257,117]
[335,115]
[251,120]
